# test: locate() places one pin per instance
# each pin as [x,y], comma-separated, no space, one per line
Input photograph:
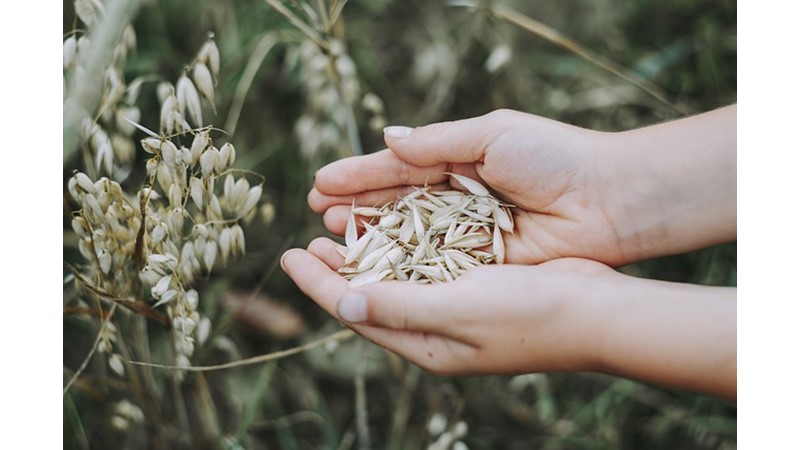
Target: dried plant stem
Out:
[105,317]
[180,405]
[362,417]
[338,336]
[323,14]
[85,97]
[302,26]
[401,413]
[257,57]
[557,38]
[352,130]
[142,346]
[336,10]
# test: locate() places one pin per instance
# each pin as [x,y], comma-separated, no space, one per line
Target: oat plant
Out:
[146,247]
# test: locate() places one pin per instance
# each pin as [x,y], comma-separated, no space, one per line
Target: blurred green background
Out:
[410,63]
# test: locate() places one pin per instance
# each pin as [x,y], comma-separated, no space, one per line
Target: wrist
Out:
[672,334]
[671,187]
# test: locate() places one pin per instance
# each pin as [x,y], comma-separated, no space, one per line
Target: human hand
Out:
[487,321]
[537,164]
[563,315]
[616,198]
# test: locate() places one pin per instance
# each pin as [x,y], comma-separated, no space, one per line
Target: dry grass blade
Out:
[105,318]
[338,336]
[302,26]
[557,38]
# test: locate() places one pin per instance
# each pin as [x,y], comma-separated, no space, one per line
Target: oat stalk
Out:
[338,336]
[85,97]
[559,39]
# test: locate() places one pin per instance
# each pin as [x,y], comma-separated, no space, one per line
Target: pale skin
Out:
[586,201]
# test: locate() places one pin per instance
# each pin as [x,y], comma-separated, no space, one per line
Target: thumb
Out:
[460,141]
[399,306]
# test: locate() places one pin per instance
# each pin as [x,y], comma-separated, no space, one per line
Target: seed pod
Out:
[469,184]
[80,227]
[169,106]
[85,183]
[228,185]
[167,297]
[227,154]
[369,277]
[210,255]
[199,143]
[238,238]
[219,163]
[250,201]
[192,299]
[203,330]
[158,234]
[208,162]
[202,78]
[498,247]
[351,232]
[161,286]
[214,208]
[164,178]
[504,218]
[187,347]
[189,100]
[225,243]
[209,55]
[390,220]
[104,258]
[91,205]
[370,259]
[115,362]
[151,145]
[169,153]
[70,49]
[196,192]
[358,248]
[175,196]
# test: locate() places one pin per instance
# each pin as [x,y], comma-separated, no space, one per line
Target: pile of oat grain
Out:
[427,236]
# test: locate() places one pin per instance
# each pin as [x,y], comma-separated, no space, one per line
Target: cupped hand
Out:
[498,319]
[551,171]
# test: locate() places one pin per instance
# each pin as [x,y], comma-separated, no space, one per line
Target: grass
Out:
[685,51]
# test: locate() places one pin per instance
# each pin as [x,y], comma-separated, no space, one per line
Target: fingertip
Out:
[352,307]
[397,132]
[335,219]
[288,257]
[316,200]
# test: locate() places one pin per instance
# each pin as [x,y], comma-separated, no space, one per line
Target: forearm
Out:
[678,335]
[673,185]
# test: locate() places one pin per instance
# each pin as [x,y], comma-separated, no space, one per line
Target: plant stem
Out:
[84,91]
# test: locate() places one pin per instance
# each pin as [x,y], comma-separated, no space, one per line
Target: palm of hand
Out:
[558,213]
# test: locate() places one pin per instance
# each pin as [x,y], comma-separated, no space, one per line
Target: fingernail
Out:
[283,257]
[352,307]
[398,132]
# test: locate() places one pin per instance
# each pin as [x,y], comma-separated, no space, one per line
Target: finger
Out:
[402,306]
[460,141]
[335,219]
[326,287]
[315,278]
[320,202]
[325,249]
[371,172]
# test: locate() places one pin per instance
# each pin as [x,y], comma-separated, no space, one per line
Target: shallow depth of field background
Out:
[426,62]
